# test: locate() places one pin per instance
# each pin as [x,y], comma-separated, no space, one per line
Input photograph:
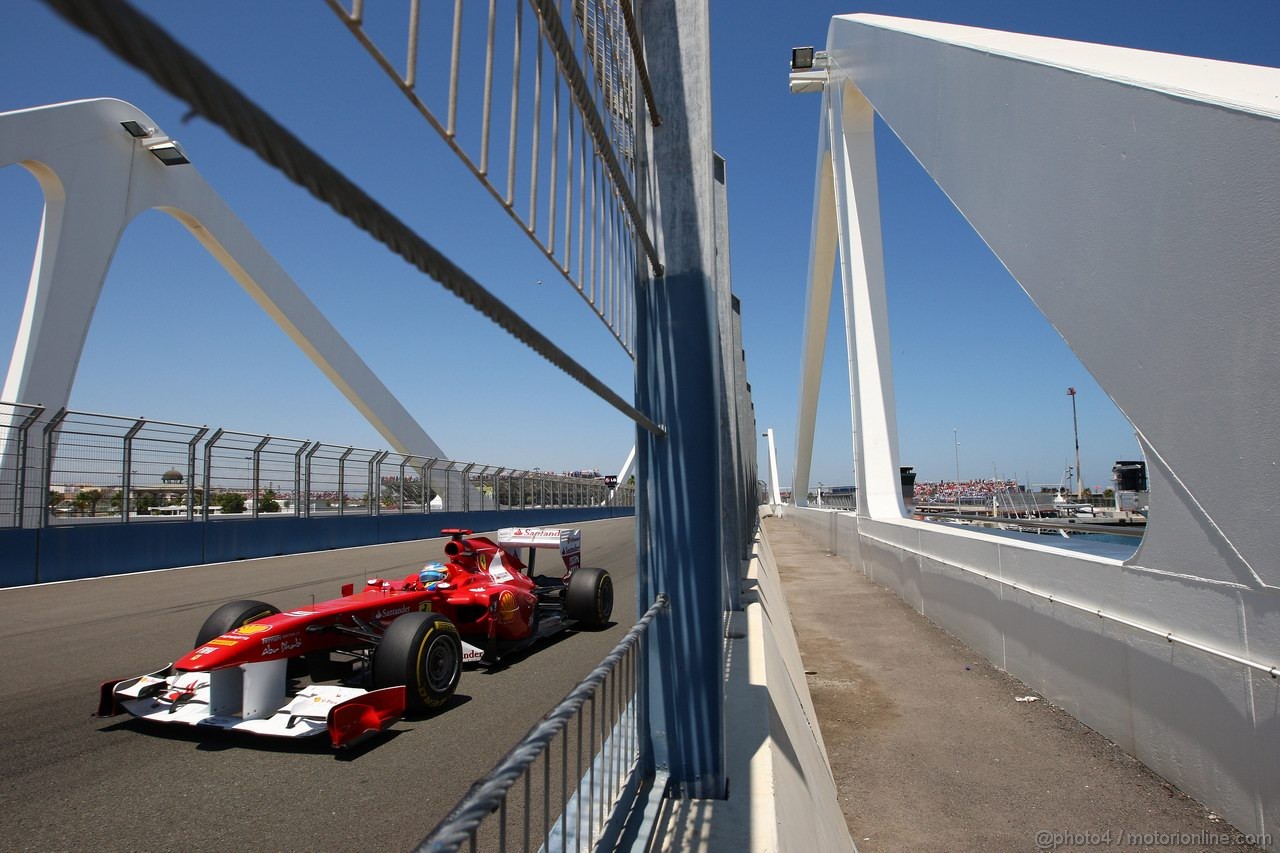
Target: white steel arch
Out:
[1133,196]
[96,178]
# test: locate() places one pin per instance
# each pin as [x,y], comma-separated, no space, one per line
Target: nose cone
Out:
[274,637]
[227,650]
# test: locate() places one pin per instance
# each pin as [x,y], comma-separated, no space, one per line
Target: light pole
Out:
[1075,427]
[955,432]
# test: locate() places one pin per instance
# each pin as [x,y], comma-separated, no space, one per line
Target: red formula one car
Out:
[393,646]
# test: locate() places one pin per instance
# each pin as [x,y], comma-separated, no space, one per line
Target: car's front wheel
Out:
[423,652]
[230,616]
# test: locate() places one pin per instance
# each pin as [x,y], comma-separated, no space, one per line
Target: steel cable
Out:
[137,40]
[637,53]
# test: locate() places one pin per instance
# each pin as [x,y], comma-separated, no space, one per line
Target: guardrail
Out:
[80,468]
[600,778]
[1132,531]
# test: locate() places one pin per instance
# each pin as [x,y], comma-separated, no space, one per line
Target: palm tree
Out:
[89,498]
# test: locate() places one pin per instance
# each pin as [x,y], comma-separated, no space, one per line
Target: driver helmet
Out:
[432,574]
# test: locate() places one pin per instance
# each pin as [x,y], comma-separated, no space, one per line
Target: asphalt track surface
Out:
[70,781]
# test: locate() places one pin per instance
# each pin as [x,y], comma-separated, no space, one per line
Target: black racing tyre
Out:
[230,616]
[589,598]
[423,652]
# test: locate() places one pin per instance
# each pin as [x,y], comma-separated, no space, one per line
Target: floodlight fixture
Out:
[168,153]
[136,130]
[808,70]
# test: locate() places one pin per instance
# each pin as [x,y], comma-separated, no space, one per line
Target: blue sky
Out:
[174,338]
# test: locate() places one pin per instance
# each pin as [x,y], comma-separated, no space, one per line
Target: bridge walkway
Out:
[930,749]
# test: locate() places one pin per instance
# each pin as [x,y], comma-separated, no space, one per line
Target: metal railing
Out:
[839,500]
[560,760]
[15,426]
[557,153]
[82,467]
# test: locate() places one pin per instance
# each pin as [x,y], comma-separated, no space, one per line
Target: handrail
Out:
[1132,531]
[489,793]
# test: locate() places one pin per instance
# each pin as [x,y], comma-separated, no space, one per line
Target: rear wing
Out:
[568,541]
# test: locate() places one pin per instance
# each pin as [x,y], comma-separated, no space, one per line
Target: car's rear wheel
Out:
[589,598]
[230,616]
[423,652]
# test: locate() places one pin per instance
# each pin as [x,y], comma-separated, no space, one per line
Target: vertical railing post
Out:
[49,430]
[208,472]
[310,462]
[444,496]
[426,485]
[20,469]
[191,471]
[375,482]
[126,467]
[257,472]
[297,477]
[466,492]
[342,481]
[404,461]
[679,381]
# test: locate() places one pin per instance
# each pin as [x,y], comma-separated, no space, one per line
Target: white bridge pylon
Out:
[1132,195]
[96,178]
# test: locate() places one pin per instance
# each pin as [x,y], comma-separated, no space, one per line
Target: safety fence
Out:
[15,426]
[540,106]
[76,467]
[557,789]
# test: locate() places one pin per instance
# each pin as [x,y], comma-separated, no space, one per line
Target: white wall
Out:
[806,808]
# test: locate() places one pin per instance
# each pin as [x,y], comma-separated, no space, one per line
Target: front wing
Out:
[252,698]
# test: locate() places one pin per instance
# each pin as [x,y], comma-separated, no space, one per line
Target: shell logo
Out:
[252,628]
[507,606]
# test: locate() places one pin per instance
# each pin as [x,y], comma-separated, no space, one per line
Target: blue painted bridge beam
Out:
[679,383]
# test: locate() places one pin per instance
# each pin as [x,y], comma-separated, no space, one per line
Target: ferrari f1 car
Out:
[393,646]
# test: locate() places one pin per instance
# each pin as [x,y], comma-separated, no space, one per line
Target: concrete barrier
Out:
[1089,634]
[806,809]
[70,552]
[782,796]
